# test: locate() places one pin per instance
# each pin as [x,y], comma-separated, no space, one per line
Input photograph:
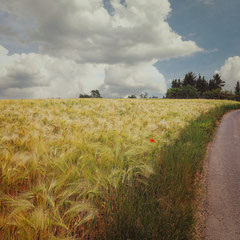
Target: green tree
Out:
[190,92]
[214,94]
[132,96]
[201,85]
[174,93]
[176,83]
[84,96]
[143,95]
[189,79]
[218,82]
[237,88]
[211,85]
[186,92]
[95,94]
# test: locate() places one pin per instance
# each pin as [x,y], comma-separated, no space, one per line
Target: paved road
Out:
[223,181]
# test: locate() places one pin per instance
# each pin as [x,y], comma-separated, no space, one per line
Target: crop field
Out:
[87,168]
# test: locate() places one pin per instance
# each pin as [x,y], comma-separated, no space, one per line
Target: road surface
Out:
[223,181]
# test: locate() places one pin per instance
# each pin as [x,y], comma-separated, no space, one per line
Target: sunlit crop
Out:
[61,161]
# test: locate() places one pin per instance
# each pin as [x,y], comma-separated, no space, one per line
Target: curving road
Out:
[223,181]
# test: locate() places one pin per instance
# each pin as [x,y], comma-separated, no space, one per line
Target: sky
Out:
[62,48]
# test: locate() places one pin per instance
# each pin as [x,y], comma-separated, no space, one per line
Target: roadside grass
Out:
[84,169]
[162,208]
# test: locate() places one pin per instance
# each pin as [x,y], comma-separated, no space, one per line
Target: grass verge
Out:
[161,207]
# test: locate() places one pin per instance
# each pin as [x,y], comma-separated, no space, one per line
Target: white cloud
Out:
[122,80]
[83,30]
[79,37]
[3,52]
[230,72]
[41,76]
[212,50]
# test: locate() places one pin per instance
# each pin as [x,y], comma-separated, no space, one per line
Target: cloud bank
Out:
[42,76]
[82,32]
[125,80]
[230,72]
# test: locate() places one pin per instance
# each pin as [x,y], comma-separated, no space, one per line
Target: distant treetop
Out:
[93,94]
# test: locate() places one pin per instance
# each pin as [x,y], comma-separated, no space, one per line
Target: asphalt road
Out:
[223,181]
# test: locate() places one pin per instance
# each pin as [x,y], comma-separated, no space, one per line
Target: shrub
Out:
[183,92]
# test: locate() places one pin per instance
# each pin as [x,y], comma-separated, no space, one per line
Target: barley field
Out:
[74,169]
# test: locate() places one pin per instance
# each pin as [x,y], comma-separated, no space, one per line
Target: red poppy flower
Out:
[151,140]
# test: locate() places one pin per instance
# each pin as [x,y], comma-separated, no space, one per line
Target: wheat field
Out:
[61,161]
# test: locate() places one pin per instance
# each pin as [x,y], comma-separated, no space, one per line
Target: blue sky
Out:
[121,47]
[214,27]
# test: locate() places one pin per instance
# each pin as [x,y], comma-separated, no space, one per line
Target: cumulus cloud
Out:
[84,30]
[230,72]
[122,80]
[41,76]
[79,33]
[3,52]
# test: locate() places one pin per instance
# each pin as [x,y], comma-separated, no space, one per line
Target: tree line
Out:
[142,95]
[97,94]
[93,94]
[193,86]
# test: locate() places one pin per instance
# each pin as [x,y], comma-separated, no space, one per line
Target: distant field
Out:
[83,169]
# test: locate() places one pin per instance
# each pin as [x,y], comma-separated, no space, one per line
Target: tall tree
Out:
[201,85]
[204,85]
[182,92]
[218,82]
[179,83]
[237,88]
[189,79]
[143,95]
[176,83]
[95,94]
[211,85]
[84,96]
[132,96]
